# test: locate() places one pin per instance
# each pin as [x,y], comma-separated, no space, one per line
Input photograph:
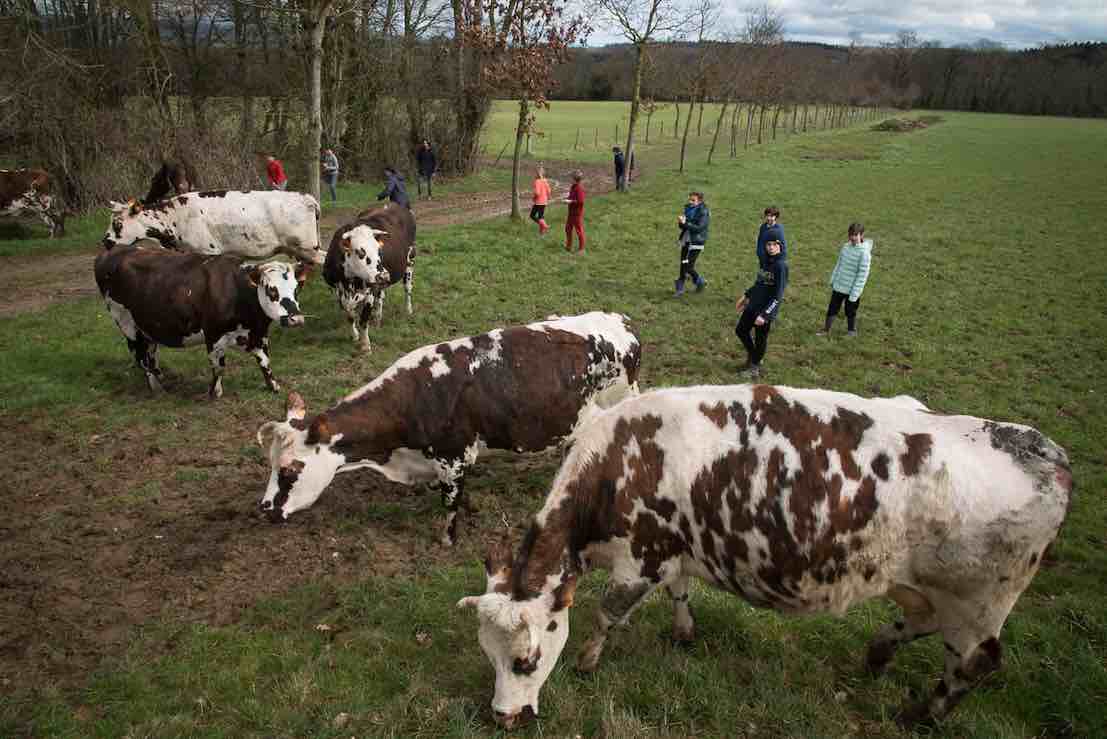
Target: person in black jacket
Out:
[394,188]
[760,305]
[620,169]
[693,224]
[426,166]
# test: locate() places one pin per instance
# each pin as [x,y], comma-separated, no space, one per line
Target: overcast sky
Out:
[1017,24]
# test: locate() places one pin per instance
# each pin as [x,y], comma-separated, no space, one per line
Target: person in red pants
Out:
[575,221]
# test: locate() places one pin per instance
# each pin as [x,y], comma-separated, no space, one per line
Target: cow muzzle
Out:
[509,721]
[296,320]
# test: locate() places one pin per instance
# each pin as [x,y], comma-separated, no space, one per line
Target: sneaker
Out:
[701,285]
[851,333]
[755,372]
[822,332]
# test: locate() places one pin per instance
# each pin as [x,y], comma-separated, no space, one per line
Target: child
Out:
[541,197]
[575,220]
[770,229]
[847,281]
[275,171]
[760,305]
[693,236]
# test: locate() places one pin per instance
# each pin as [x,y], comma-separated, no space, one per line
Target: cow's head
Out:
[277,284]
[363,255]
[302,460]
[128,224]
[521,638]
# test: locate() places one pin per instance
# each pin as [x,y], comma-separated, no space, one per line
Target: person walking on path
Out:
[848,279]
[274,170]
[540,198]
[575,219]
[426,165]
[620,169]
[394,188]
[770,229]
[329,163]
[693,224]
[760,305]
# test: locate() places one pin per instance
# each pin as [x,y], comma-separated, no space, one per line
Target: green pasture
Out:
[987,297]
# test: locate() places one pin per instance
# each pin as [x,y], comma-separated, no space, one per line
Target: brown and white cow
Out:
[160,297]
[251,225]
[797,500]
[429,416]
[28,191]
[367,256]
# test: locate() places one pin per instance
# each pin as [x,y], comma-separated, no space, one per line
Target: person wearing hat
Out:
[620,169]
[760,305]
[848,279]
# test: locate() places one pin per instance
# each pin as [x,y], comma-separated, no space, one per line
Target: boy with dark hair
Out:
[760,305]
[770,229]
[693,224]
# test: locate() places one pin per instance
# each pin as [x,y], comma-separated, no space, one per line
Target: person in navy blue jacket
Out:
[760,305]
[770,229]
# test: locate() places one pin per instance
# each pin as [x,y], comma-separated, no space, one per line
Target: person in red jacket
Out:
[275,170]
[575,221]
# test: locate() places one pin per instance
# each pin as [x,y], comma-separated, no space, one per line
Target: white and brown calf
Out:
[797,500]
[366,257]
[428,416]
[251,225]
[28,191]
[164,298]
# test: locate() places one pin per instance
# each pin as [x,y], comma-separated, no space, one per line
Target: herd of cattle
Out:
[796,500]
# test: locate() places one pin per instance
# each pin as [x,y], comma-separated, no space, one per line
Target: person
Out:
[394,188]
[760,305]
[847,280]
[330,172]
[575,219]
[541,197]
[426,165]
[620,169]
[275,171]
[770,229]
[693,237]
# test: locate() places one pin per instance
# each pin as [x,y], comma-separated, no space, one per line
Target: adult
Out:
[620,169]
[329,163]
[274,170]
[771,229]
[394,188]
[426,166]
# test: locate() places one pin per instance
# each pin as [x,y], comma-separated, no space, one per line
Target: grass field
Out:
[987,298]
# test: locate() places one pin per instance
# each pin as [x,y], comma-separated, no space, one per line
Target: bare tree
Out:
[704,15]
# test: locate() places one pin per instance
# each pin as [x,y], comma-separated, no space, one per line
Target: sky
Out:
[1016,24]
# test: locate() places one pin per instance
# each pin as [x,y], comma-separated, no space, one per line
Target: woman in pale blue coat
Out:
[848,279]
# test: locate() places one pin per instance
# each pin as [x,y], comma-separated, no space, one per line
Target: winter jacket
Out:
[330,164]
[576,201]
[767,291]
[851,272]
[697,218]
[424,159]
[620,164]
[275,171]
[766,231]
[395,191]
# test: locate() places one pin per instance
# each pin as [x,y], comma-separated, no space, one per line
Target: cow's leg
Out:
[145,352]
[409,281]
[378,315]
[366,312]
[684,626]
[453,493]
[919,620]
[217,360]
[620,599]
[260,350]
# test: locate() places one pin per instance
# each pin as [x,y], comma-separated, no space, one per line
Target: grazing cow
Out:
[160,297]
[28,190]
[796,500]
[251,225]
[428,416]
[176,176]
[365,257]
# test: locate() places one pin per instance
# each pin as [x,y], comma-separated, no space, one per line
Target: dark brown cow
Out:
[798,500]
[428,416]
[28,190]
[367,256]
[174,176]
[160,297]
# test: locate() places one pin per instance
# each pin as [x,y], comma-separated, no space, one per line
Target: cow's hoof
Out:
[274,387]
[914,716]
[446,540]
[684,638]
[878,657]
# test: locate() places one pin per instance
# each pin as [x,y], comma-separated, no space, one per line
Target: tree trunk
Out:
[520,131]
[316,27]
[760,125]
[636,91]
[776,120]
[749,123]
[242,74]
[676,120]
[687,127]
[735,119]
[718,127]
[699,121]
[795,116]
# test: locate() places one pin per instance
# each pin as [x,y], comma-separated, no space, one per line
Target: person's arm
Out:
[387,191]
[837,266]
[780,272]
[862,277]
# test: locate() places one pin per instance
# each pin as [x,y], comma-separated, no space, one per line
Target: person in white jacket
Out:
[848,279]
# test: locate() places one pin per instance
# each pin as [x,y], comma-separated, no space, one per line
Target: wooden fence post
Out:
[576,144]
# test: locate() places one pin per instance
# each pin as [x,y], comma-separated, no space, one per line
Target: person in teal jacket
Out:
[848,279]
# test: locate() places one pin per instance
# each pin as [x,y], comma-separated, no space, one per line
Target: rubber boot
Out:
[826,327]
[700,285]
[678,286]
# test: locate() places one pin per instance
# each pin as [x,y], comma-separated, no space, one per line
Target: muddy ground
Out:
[100,535]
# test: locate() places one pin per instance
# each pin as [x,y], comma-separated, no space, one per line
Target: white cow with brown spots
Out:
[430,415]
[797,500]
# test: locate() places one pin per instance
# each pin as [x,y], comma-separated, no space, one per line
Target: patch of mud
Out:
[29,284]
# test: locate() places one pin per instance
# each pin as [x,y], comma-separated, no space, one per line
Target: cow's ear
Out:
[497,558]
[469,601]
[303,271]
[320,432]
[116,206]
[295,408]
[136,207]
[563,593]
[346,245]
[254,275]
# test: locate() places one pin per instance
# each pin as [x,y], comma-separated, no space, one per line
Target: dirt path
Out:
[29,284]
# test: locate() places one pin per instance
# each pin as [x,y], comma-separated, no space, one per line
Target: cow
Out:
[252,225]
[797,500]
[174,175]
[28,190]
[430,415]
[159,297]
[365,257]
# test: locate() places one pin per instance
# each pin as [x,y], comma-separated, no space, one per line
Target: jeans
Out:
[331,178]
[419,183]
